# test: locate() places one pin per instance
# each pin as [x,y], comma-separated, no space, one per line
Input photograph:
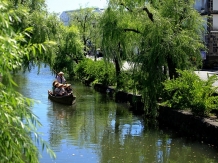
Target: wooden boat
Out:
[67,99]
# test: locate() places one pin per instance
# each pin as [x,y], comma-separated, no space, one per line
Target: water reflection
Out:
[58,118]
[96,129]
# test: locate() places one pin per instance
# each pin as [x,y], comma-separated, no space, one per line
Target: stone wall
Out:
[134,101]
[204,130]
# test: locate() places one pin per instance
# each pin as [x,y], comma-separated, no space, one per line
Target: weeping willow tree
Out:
[167,36]
[38,27]
[119,39]
[18,123]
[31,4]
[86,20]
[69,49]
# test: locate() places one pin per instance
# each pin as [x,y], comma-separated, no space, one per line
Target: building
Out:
[210,8]
[212,37]
[65,15]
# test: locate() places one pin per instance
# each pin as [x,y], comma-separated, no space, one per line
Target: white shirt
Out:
[61,79]
[59,91]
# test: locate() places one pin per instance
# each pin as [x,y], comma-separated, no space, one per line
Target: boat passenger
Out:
[60,78]
[68,88]
[59,90]
[54,85]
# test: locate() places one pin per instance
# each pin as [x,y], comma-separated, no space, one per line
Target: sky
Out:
[58,6]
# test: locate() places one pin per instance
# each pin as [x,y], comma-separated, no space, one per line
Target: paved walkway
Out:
[204,75]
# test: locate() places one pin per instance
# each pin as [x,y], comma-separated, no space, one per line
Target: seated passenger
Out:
[54,85]
[55,81]
[59,90]
[68,88]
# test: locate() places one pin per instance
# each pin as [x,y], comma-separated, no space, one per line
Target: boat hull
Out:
[68,100]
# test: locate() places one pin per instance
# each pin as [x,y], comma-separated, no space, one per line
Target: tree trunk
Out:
[172,69]
[84,43]
[165,70]
[117,67]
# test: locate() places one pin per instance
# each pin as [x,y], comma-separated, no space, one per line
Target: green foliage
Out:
[42,30]
[130,81]
[188,91]
[18,123]
[155,36]
[126,81]
[96,71]
[69,49]
[31,19]
[32,5]
[81,68]
[86,20]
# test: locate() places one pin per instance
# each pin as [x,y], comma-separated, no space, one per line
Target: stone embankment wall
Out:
[203,129]
[134,101]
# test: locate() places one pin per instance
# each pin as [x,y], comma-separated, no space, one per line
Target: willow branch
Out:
[122,4]
[150,15]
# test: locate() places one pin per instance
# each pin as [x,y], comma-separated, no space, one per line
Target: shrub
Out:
[188,91]
[82,67]
[96,71]
[127,83]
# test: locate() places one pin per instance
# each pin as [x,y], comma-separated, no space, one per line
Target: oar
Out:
[55,72]
[76,92]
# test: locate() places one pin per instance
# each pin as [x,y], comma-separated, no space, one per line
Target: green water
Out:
[98,130]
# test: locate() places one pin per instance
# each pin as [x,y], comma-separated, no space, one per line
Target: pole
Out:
[76,92]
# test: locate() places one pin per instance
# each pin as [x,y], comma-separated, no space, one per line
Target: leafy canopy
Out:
[156,37]
[17,121]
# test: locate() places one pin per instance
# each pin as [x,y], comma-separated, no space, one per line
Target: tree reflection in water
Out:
[96,129]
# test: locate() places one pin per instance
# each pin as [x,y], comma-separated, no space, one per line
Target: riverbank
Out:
[204,130]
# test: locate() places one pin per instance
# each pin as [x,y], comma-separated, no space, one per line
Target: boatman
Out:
[60,78]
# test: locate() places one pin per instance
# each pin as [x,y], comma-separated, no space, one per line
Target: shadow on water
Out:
[96,129]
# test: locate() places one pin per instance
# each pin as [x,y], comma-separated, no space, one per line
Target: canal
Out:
[98,130]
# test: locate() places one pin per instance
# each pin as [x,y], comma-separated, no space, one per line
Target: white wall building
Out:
[65,15]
